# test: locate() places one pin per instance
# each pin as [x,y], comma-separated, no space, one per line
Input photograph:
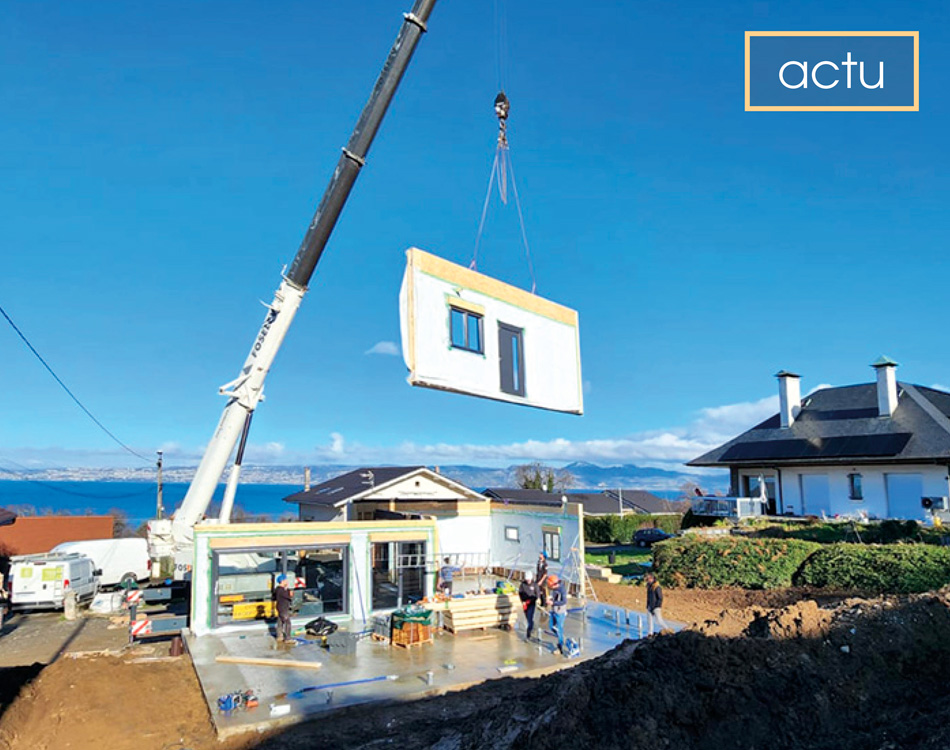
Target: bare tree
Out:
[537,476]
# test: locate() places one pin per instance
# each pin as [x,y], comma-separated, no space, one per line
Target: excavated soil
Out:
[695,606]
[110,703]
[772,673]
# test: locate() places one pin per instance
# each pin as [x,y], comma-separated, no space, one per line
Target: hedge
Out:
[695,562]
[620,530]
[884,569]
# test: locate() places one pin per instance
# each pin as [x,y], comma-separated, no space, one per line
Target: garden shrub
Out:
[697,562]
[890,569]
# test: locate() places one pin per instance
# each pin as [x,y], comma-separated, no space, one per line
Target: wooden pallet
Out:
[481,612]
[411,634]
[410,645]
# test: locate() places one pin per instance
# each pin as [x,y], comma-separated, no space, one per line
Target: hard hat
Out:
[281,578]
[552,580]
[529,575]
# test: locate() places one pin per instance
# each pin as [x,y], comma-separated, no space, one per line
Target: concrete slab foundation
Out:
[378,671]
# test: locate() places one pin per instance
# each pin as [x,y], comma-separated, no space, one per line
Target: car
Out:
[648,537]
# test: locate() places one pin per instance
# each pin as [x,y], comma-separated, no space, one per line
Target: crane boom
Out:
[245,391]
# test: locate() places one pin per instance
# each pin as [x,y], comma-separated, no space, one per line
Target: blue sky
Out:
[160,164]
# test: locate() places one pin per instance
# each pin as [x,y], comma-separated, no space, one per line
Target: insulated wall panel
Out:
[468,333]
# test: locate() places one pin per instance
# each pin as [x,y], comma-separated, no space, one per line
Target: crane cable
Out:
[66,388]
[502,166]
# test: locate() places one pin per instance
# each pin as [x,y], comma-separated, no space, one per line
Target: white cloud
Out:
[384,347]
[666,448]
[939,387]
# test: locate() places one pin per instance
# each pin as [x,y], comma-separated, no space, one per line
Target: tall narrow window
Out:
[855,491]
[551,538]
[511,359]
[466,330]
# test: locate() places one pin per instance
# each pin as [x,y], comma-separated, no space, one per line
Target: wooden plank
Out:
[265,662]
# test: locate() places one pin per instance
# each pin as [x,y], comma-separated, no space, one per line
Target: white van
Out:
[43,580]
[120,560]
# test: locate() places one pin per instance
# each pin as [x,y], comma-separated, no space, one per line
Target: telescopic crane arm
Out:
[245,391]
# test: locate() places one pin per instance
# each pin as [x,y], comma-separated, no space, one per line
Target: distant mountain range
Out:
[586,476]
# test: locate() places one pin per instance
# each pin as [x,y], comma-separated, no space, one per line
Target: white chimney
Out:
[306,479]
[886,386]
[789,396]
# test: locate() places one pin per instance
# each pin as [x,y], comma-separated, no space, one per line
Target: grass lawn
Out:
[628,562]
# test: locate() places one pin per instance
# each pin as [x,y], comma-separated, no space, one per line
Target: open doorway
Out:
[398,573]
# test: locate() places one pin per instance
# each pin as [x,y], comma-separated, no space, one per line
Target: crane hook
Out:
[502,106]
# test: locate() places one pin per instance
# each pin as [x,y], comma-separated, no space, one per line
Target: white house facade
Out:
[874,449]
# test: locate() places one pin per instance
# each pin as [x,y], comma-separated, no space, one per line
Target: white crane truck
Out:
[171,541]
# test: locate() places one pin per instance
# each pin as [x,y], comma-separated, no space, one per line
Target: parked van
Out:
[43,580]
[120,560]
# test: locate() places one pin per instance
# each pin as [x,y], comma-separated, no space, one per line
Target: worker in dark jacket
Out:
[541,576]
[558,609]
[529,593]
[283,598]
[655,603]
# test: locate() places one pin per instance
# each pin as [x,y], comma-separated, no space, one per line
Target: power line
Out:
[66,388]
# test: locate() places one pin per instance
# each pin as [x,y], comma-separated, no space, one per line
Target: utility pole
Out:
[159,506]
[620,498]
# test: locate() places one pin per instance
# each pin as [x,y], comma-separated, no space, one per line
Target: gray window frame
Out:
[516,364]
[466,314]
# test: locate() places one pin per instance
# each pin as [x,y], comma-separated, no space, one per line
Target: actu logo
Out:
[832,71]
[847,64]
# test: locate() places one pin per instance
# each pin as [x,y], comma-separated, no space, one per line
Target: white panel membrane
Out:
[468,333]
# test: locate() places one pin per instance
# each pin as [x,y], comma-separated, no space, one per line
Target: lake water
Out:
[135,499]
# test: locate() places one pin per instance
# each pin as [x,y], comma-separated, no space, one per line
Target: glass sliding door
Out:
[398,573]
[244,582]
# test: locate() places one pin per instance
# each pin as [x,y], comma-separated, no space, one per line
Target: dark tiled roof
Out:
[595,503]
[523,497]
[642,501]
[841,425]
[342,488]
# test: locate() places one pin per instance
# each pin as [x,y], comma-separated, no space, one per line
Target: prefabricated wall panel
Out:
[468,333]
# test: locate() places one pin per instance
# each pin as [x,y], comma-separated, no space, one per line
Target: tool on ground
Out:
[243,699]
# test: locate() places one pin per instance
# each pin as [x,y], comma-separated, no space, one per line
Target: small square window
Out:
[855,491]
[465,329]
[512,534]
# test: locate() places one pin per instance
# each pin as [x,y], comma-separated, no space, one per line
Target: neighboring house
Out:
[391,492]
[875,448]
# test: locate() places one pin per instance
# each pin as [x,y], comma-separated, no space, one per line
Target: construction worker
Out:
[283,598]
[541,576]
[529,593]
[654,603]
[558,609]
[446,573]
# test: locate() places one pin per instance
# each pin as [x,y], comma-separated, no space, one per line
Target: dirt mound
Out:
[873,678]
[695,606]
[12,679]
[109,702]
[801,620]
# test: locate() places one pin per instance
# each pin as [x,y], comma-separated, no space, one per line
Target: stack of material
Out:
[411,627]
[489,611]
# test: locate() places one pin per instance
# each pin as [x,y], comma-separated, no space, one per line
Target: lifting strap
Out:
[501,168]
